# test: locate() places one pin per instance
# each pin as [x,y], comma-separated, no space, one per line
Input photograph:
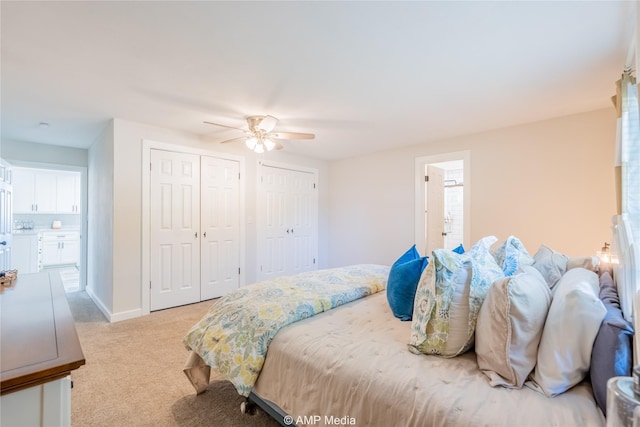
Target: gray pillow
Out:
[551,264]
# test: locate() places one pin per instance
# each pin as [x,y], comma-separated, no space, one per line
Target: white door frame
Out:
[420,188]
[84,227]
[260,232]
[147,146]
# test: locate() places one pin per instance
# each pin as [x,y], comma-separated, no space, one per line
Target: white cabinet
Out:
[59,248]
[46,191]
[68,191]
[25,253]
[35,191]
[47,404]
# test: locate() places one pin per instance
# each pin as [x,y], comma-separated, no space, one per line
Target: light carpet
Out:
[133,375]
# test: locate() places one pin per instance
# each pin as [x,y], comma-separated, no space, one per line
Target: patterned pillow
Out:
[511,255]
[448,299]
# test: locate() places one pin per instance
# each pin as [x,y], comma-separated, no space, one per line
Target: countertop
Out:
[36,231]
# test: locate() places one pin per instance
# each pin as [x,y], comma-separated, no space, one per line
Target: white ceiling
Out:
[362,76]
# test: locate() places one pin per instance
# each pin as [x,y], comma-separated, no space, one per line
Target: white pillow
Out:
[510,325]
[572,324]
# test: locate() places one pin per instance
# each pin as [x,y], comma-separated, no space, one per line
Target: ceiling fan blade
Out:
[278,146]
[267,123]
[242,138]
[292,135]
[225,126]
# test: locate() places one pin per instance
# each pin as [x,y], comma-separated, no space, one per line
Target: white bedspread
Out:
[353,362]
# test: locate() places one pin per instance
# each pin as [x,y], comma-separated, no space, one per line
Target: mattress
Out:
[351,365]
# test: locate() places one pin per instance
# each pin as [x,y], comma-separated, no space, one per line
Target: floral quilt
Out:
[234,335]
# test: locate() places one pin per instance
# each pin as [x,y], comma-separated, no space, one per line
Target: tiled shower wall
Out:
[453,208]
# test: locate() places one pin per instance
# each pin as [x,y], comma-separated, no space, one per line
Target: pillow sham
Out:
[612,349]
[403,281]
[551,264]
[511,255]
[572,324]
[510,325]
[448,299]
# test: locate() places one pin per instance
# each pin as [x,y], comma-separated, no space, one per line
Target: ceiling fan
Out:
[260,136]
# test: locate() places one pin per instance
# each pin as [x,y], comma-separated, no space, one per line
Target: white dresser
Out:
[40,348]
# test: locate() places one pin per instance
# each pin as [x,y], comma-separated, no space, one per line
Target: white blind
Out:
[629,150]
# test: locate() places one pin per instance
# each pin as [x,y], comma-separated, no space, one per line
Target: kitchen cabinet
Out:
[68,191]
[34,191]
[59,248]
[25,253]
[46,191]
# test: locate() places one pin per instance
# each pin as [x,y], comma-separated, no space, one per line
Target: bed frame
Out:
[625,263]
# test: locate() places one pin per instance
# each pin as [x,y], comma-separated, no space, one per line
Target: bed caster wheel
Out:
[247,408]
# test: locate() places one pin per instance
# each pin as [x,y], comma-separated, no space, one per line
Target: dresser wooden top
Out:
[39,342]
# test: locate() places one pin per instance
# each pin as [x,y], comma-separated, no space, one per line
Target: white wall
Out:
[100,272]
[32,152]
[124,284]
[547,182]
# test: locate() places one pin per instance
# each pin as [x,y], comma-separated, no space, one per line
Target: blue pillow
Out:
[458,249]
[611,355]
[403,281]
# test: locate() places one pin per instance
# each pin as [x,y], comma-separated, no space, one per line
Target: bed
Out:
[349,363]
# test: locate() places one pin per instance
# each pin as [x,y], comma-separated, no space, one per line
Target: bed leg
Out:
[247,407]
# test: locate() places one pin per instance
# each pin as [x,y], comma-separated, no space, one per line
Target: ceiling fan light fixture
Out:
[269,144]
[251,142]
[259,148]
[259,136]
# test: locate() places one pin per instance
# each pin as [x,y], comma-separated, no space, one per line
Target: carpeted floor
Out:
[133,375]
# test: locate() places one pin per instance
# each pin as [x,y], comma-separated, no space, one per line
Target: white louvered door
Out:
[175,229]
[287,222]
[220,227]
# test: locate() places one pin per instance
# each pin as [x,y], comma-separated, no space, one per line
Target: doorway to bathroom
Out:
[442,201]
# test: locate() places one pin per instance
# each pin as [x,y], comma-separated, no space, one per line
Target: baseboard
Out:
[126,315]
[112,317]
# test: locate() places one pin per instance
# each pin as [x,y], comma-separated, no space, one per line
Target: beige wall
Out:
[548,182]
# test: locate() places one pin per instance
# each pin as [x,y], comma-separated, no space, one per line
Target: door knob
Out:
[3,243]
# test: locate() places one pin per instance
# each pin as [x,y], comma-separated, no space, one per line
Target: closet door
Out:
[220,226]
[288,226]
[273,195]
[175,229]
[301,212]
